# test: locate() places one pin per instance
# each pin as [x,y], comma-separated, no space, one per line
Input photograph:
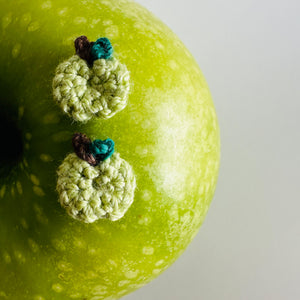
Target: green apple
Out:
[168,133]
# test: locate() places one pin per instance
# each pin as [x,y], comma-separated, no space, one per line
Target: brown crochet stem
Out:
[81,144]
[83,48]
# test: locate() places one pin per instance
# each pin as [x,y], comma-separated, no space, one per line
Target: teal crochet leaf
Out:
[102,150]
[102,48]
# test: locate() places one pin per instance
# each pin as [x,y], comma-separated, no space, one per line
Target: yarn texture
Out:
[102,48]
[85,92]
[90,193]
[102,150]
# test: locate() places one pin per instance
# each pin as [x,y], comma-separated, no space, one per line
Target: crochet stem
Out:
[81,144]
[92,152]
[83,49]
[91,51]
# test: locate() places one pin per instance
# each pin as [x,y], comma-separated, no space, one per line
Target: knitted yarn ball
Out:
[90,193]
[83,92]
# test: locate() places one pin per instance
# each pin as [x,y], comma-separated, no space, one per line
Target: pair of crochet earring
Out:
[94,182]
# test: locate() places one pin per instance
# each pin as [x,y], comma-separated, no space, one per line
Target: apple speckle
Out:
[46,157]
[33,245]
[173,213]
[156,271]
[28,136]
[19,257]
[159,45]
[25,19]
[147,195]
[188,53]
[112,31]
[96,298]
[40,216]
[108,298]
[6,20]
[2,294]
[38,297]
[61,136]
[123,282]
[34,179]
[80,20]
[12,191]
[20,112]
[144,220]
[6,258]
[57,287]
[62,12]
[160,262]
[123,226]
[148,250]
[34,26]
[64,266]
[131,274]
[78,243]
[94,22]
[100,230]
[25,163]
[141,151]
[75,296]
[19,187]
[69,41]
[58,245]
[107,22]
[16,50]
[122,293]
[2,191]
[51,118]
[134,286]
[173,64]
[112,263]
[46,5]
[91,275]
[92,251]
[38,191]
[100,290]
[23,223]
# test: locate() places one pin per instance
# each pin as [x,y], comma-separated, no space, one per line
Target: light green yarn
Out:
[90,193]
[83,92]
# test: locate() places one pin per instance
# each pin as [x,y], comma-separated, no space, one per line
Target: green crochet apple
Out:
[109,150]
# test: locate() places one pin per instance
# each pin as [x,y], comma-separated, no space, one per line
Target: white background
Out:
[249,245]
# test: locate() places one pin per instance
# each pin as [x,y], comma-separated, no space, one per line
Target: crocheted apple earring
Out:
[91,83]
[95,182]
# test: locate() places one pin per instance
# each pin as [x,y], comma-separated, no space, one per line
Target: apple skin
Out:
[168,132]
